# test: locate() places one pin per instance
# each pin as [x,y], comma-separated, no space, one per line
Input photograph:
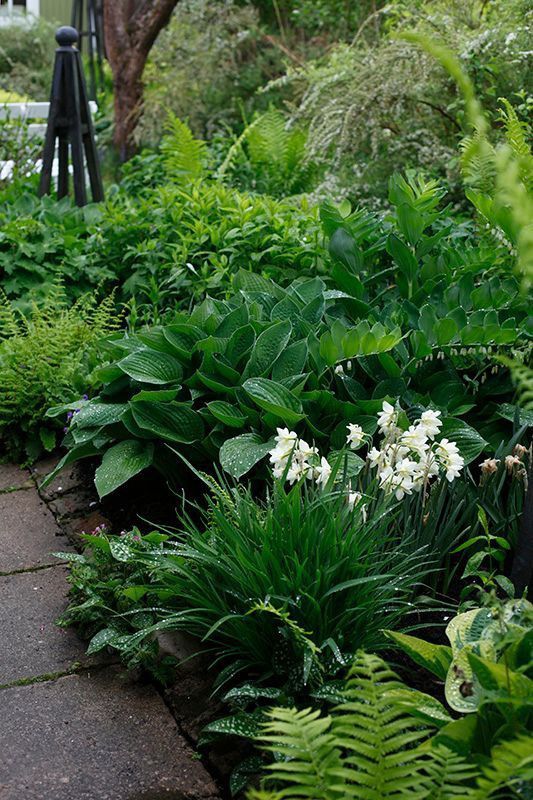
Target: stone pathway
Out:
[71,727]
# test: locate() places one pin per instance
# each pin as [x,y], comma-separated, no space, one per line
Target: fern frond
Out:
[448,774]
[268,140]
[379,735]
[276,153]
[9,322]
[308,759]
[516,133]
[185,157]
[477,162]
[511,764]
[522,375]
[46,360]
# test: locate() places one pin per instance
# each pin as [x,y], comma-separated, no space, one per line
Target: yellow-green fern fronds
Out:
[185,156]
[308,757]
[517,134]
[511,764]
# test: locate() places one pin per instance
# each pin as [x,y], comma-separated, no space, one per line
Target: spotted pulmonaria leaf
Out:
[103,638]
[241,724]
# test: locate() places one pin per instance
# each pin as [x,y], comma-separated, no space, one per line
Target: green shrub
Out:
[42,241]
[182,242]
[285,589]
[162,248]
[46,357]
[372,109]
[26,59]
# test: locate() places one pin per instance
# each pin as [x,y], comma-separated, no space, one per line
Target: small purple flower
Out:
[85,397]
[99,529]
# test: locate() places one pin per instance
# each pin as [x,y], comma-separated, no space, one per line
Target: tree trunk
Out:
[131,28]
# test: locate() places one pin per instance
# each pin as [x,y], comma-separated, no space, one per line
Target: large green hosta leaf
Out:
[275,398]
[240,454]
[120,463]
[173,422]
[270,343]
[149,366]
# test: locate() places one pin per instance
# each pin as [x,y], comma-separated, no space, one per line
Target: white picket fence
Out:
[27,112]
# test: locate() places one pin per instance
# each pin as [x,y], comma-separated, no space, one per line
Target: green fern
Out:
[275,154]
[46,358]
[511,765]
[522,375]
[378,735]
[9,325]
[517,134]
[477,161]
[370,748]
[185,157]
[308,758]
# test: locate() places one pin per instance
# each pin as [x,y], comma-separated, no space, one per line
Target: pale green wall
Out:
[57,10]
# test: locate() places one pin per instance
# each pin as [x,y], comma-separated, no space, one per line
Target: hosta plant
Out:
[241,367]
[487,670]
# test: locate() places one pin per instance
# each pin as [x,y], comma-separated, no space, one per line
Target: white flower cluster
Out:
[303,460]
[407,459]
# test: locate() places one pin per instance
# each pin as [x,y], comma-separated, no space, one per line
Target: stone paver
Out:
[13,477]
[68,479]
[28,532]
[31,644]
[94,737]
[91,734]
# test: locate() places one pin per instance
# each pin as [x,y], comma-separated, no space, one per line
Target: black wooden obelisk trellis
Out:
[89,22]
[70,124]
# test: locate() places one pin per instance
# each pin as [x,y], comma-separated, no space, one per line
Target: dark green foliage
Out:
[43,241]
[184,241]
[46,357]
[287,589]
[163,247]
[415,310]
[232,366]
